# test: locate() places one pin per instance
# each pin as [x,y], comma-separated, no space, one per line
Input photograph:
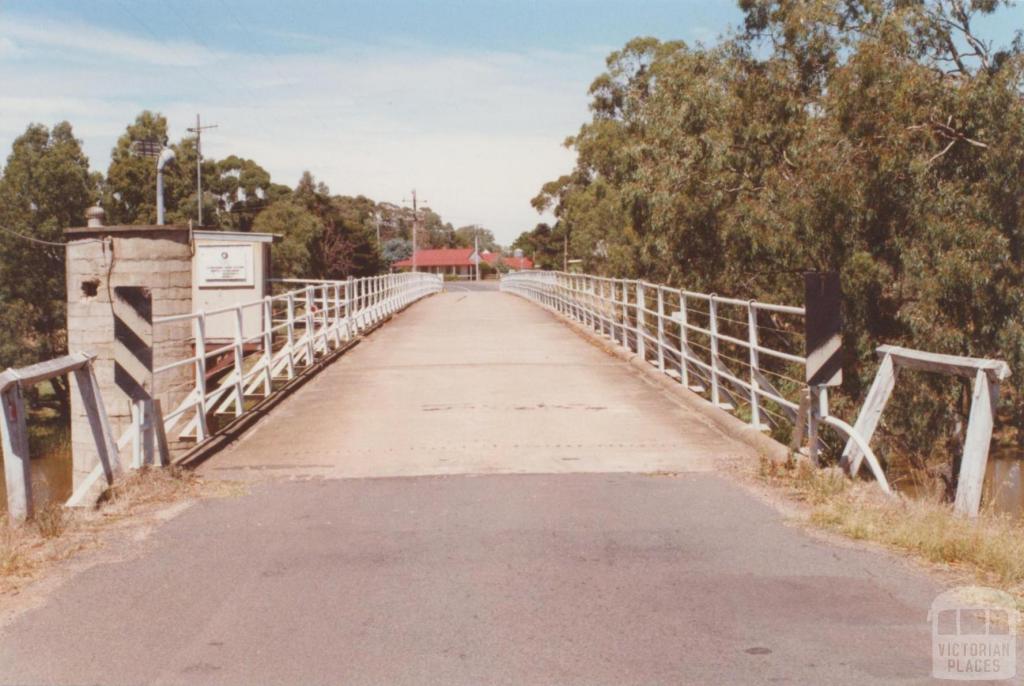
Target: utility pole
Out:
[476,251]
[415,226]
[198,131]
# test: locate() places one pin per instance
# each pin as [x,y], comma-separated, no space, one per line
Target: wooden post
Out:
[14,432]
[984,401]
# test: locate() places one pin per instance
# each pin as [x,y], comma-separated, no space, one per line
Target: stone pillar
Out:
[100,261]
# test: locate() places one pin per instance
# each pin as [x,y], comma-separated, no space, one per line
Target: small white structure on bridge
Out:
[230,267]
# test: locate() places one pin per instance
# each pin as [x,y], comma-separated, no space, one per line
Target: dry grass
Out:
[990,548]
[55,533]
[51,521]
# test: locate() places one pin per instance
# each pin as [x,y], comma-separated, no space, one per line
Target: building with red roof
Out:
[514,262]
[459,261]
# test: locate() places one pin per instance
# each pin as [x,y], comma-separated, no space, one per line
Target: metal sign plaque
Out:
[224,265]
[823,326]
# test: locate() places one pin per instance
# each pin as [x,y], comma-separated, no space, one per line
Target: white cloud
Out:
[476,133]
[85,38]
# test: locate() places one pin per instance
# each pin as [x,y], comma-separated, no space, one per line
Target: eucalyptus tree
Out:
[45,187]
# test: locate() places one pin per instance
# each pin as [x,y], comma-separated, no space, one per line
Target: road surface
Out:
[476,495]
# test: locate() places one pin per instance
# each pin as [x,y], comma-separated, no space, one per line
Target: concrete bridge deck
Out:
[530,535]
[476,382]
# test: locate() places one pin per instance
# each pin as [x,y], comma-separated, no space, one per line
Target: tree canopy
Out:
[46,186]
[878,138]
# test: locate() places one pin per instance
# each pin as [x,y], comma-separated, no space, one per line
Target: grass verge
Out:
[989,549]
[55,533]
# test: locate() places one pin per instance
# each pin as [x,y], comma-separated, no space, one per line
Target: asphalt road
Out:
[468,286]
[510,579]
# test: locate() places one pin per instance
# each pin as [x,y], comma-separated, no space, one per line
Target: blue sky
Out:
[467,102]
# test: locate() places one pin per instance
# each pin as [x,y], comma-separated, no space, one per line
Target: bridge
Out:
[488,488]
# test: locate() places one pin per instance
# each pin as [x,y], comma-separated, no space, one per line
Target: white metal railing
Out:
[987,374]
[293,331]
[296,328]
[14,425]
[742,355]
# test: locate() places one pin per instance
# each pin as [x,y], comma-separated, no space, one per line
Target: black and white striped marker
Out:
[133,341]
[823,327]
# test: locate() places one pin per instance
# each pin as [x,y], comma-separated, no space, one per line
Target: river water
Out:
[1003,492]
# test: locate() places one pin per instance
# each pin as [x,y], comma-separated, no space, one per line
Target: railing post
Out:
[661,329]
[336,309]
[624,313]
[268,345]
[641,306]
[713,327]
[325,317]
[290,328]
[310,325]
[818,409]
[14,429]
[971,479]
[752,340]
[202,429]
[585,300]
[360,294]
[349,290]
[144,434]
[99,421]
[607,310]
[373,298]
[684,341]
[137,433]
[613,311]
[239,373]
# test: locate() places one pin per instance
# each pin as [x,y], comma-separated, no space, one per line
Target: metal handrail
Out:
[297,328]
[638,316]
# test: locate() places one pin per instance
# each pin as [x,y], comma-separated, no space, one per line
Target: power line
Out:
[40,241]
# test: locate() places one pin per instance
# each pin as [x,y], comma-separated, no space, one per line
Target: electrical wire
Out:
[40,241]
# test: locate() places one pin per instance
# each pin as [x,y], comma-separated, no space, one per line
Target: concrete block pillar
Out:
[117,278]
